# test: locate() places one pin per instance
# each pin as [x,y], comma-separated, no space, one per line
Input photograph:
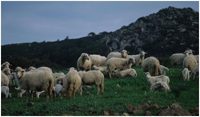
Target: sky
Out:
[38,21]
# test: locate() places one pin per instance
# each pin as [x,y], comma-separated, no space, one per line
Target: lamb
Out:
[153,79]
[5,91]
[118,63]
[138,58]
[94,77]
[195,71]
[189,62]
[35,80]
[58,88]
[152,65]
[101,68]
[71,83]
[123,54]
[159,85]
[163,69]
[125,73]
[84,62]
[186,74]
[98,60]
[4,79]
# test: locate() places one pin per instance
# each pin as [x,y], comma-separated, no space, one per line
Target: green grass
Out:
[131,91]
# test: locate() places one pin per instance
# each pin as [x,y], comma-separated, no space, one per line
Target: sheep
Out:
[153,79]
[159,85]
[125,73]
[118,63]
[31,68]
[36,80]
[186,74]
[101,68]
[189,62]
[138,58]
[4,79]
[5,65]
[123,54]
[151,65]
[163,69]
[58,88]
[197,58]
[84,62]
[71,83]
[94,77]
[98,60]
[7,71]
[5,91]
[58,75]
[195,71]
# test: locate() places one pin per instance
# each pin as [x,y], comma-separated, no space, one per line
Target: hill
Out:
[160,34]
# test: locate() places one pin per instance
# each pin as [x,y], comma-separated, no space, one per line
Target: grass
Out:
[115,98]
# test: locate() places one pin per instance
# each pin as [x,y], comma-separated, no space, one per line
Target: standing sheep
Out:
[138,58]
[84,62]
[5,91]
[35,80]
[118,63]
[186,74]
[151,65]
[98,60]
[189,62]
[94,77]
[125,73]
[195,72]
[123,54]
[71,83]
[4,79]
[153,79]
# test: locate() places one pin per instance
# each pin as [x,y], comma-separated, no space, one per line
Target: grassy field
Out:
[117,95]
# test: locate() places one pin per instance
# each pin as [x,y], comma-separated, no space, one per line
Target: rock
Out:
[125,114]
[137,110]
[129,107]
[148,113]
[153,107]
[106,113]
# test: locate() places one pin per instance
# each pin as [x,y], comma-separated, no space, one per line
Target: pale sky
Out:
[48,21]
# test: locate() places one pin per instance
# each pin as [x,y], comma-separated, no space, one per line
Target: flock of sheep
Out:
[90,69]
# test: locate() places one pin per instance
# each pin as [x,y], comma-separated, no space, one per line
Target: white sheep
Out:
[98,60]
[58,75]
[189,62]
[186,74]
[5,65]
[58,88]
[125,73]
[151,65]
[118,63]
[71,83]
[5,91]
[153,79]
[4,79]
[159,85]
[101,68]
[197,58]
[163,69]
[84,62]
[36,80]
[7,71]
[93,77]
[195,72]
[138,58]
[122,54]
[31,68]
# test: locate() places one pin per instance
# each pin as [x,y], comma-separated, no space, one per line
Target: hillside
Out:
[160,34]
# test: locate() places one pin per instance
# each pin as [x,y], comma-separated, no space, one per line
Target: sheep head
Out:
[133,73]
[131,60]
[19,72]
[124,54]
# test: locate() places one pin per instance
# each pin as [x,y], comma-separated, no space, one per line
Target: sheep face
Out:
[124,53]
[85,57]
[131,60]
[133,73]
[19,72]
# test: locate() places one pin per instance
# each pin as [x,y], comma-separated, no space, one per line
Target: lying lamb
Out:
[125,73]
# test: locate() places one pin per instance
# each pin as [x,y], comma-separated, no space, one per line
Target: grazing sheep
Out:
[36,80]
[189,62]
[160,86]
[195,72]
[138,58]
[118,63]
[4,79]
[84,62]
[98,60]
[71,83]
[94,77]
[101,68]
[125,73]
[163,69]
[151,65]
[5,91]
[186,74]
[153,79]
[122,54]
